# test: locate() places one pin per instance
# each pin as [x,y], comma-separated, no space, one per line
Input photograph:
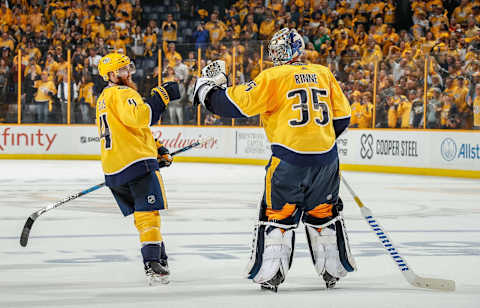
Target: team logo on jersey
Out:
[448,149]
[151,199]
[366,141]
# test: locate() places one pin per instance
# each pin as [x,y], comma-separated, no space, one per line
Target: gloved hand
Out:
[203,85]
[169,89]
[213,76]
[163,157]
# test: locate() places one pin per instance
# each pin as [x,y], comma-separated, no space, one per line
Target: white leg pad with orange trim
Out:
[325,252]
[277,253]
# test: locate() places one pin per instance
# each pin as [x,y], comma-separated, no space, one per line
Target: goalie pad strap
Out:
[278,225]
[330,222]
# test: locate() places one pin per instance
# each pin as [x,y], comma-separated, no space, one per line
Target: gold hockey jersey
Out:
[128,148]
[297,104]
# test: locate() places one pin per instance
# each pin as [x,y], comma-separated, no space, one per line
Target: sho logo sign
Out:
[448,149]
[151,199]
[85,139]
[366,141]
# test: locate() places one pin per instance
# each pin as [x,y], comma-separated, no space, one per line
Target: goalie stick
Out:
[407,272]
[31,219]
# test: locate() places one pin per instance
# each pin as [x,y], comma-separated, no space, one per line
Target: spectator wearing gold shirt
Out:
[267,26]
[44,97]
[372,52]
[86,98]
[448,111]
[149,42]
[476,107]
[366,112]
[124,10]
[171,55]
[250,29]
[356,109]
[216,28]
[311,55]
[460,98]
[461,12]
[6,41]
[169,30]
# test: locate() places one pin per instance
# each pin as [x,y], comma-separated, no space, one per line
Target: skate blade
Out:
[154,281]
[269,288]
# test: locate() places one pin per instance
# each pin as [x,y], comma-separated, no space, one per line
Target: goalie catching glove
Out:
[163,157]
[213,76]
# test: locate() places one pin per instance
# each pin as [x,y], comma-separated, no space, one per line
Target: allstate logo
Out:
[448,148]
[366,141]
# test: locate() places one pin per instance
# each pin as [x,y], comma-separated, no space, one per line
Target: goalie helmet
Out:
[114,62]
[285,46]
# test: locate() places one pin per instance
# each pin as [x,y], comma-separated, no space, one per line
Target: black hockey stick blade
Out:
[26,231]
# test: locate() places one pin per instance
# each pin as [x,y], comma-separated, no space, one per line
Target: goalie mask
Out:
[285,46]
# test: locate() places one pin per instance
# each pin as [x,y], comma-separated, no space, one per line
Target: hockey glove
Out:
[203,86]
[168,91]
[213,76]
[163,157]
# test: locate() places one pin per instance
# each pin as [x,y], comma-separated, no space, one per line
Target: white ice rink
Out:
[86,254]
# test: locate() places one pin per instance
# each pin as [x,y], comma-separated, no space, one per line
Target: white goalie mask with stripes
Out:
[285,46]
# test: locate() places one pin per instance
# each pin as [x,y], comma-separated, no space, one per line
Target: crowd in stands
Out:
[385,54]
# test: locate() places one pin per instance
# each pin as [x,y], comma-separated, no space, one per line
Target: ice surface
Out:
[86,254]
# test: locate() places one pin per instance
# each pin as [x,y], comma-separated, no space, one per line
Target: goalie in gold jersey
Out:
[131,157]
[303,111]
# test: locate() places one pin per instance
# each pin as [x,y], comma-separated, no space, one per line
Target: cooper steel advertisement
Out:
[387,147]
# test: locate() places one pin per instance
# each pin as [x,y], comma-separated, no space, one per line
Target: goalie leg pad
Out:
[328,244]
[272,253]
[324,251]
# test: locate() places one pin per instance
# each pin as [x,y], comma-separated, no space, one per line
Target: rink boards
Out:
[432,152]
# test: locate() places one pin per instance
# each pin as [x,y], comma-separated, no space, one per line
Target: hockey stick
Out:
[407,272]
[31,219]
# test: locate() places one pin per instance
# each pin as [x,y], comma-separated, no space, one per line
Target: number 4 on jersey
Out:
[317,106]
[105,131]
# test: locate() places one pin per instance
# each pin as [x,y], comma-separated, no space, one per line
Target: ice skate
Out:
[330,281]
[272,284]
[157,272]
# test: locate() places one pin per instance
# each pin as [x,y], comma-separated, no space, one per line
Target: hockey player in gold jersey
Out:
[131,157]
[303,111]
